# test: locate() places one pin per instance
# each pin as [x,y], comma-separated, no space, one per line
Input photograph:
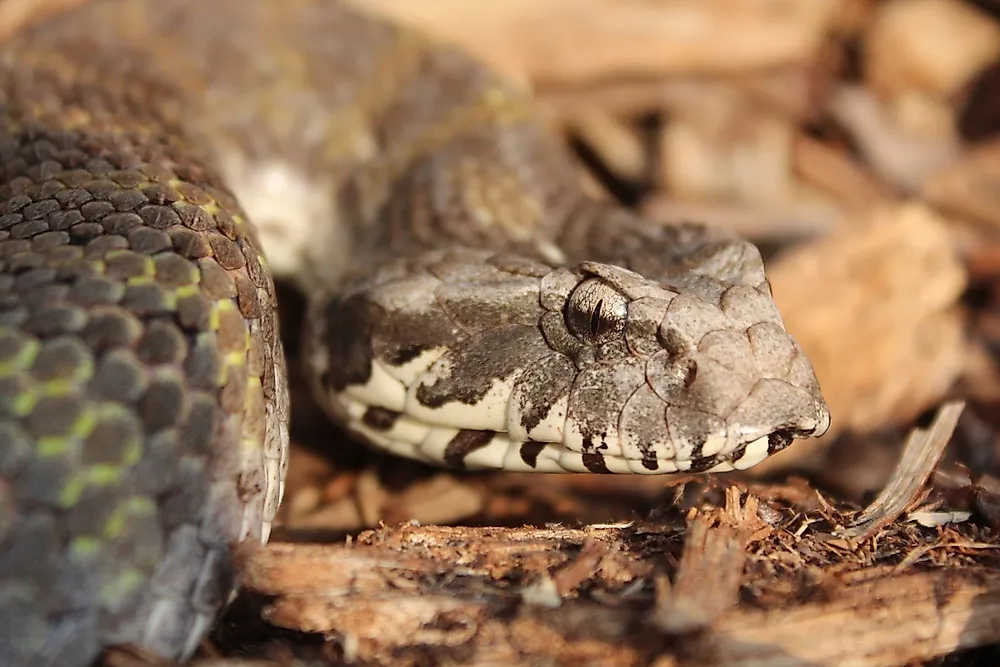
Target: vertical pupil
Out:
[595,318]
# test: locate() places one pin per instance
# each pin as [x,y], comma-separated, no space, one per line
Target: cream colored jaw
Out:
[424,433]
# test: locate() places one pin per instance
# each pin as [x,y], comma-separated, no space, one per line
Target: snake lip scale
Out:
[469,305]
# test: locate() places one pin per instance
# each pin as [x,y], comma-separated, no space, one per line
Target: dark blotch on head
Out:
[594,462]
[546,382]
[463,444]
[405,354]
[701,464]
[496,354]
[347,336]
[529,452]
[380,419]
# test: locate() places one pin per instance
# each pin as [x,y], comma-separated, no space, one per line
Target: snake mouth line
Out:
[477,449]
[782,438]
[468,449]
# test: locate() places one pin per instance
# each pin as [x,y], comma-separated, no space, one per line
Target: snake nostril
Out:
[690,370]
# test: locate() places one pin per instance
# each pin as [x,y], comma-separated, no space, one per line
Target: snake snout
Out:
[734,385]
[694,373]
[774,414]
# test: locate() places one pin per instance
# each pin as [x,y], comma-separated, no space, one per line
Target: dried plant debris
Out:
[713,560]
[750,583]
[923,451]
[785,579]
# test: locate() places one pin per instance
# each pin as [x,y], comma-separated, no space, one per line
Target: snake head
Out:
[479,360]
[686,373]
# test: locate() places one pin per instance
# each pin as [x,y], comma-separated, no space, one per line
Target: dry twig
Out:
[924,449]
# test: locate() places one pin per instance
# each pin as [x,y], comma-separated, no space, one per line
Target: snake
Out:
[164,162]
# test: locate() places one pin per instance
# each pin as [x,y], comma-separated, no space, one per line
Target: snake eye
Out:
[596,312]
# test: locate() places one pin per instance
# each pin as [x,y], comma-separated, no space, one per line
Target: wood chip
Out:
[400,591]
[902,159]
[956,41]
[619,146]
[924,449]
[359,567]
[834,172]
[582,568]
[969,186]
[313,569]
[874,306]
[785,91]
[587,40]
[440,499]
[711,571]
[724,151]
[891,621]
[793,221]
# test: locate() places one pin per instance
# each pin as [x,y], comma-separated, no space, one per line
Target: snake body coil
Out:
[470,306]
